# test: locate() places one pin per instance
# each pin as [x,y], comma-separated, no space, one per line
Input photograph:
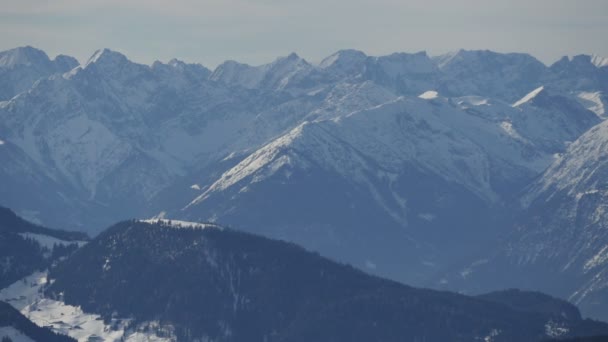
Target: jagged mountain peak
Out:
[290,60]
[25,55]
[418,62]
[552,99]
[580,169]
[485,57]
[176,63]
[582,63]
[196,70]
[599,61]
[106,57]
[343,59]
[64,62]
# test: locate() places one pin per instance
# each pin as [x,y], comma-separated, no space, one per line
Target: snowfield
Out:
[27,297]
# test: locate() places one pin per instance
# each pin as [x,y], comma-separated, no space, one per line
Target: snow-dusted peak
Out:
[580,64]
[595,101]
[530,96]
[484,57]
[293,56]
[599,61]
[26,55]
[233,72]
[442,60]
[580,170]
[343,59]
[176,63]
[181,67]
[106,57]
[65,63]
[290,61]
[401,63]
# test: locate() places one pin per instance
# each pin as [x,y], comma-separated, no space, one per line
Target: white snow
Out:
[599,61]
[14,334]
[49,241]
[429,95]
[195,187]
[599,259]
[180,224]
[529,97]
[471,268]
[594,101]
[492,336]
[555,329]
[27,296]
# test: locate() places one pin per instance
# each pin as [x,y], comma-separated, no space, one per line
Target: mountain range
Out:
[407,166]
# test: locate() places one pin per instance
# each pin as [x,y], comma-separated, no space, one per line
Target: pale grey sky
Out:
[255,32]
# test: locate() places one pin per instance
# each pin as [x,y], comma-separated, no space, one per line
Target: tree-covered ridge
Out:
[21,254]
[232,286]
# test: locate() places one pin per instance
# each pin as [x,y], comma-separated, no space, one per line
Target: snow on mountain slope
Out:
[283,73]
[232,72]
[24,56]
[507,77]
[114,139]
[559,243]
[594,101]
[344,63]
[21,67]
[580,170]
[579,73]
[599,61]
[568,220]
[404,73]
[336,145]
[49,242]
[27,296]
[181,224]
[474,147]
[110,119]
[549,111]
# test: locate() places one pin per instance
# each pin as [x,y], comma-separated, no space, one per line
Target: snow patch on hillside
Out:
[599,61]
[593,101]
[181,224]
[600,259]
[26,295]
[529,97]
[429,95]
[49,241]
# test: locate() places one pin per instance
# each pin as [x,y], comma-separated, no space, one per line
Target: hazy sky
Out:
[258,31]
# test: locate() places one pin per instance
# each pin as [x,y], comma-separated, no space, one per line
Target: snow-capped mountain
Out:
[22,66]
[560,243]
[407,172]
[503,76]
[399,164]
